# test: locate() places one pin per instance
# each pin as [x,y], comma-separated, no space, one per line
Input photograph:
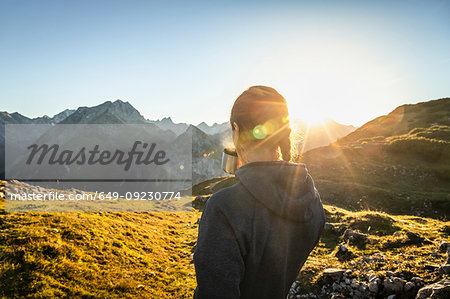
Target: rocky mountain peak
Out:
[107,112]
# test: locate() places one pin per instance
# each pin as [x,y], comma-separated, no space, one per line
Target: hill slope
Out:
[97,255]
[149,255]
[403,119]
[390,164]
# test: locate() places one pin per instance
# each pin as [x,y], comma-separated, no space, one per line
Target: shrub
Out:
[434,132]
[424,148]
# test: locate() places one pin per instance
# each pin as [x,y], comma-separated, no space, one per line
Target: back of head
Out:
[262,116]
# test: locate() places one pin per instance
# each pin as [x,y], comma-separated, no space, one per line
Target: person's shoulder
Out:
[226,194]
[229,197]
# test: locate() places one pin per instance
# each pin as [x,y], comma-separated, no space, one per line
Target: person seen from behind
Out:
[255,236]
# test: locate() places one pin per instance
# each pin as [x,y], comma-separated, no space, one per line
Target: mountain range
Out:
[208,140]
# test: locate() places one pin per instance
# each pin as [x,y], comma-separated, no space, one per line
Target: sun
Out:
[330,79]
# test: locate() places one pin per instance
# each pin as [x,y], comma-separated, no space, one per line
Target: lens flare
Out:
[259,132]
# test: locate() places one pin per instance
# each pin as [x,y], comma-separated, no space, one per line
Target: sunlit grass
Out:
[100,255]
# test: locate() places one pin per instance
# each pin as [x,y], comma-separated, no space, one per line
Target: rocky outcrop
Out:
[344,254]
[356,238]
[445,268]
[345,283]
[439,289]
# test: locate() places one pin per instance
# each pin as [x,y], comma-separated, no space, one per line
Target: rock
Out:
[444,246]
[439,289]
[335,274]
[397,234]
[371,277]
[343,248]
[356,238]
[336,287]
[142,286]
[418,281]
[414,237]
[431,268]
[343,254]
[446,229]
[391,297]
[448,255]
[409,286]
[375,258]
[374,285]
[330,228]
[444,269]
[393,285]
[435,255]
[200,201]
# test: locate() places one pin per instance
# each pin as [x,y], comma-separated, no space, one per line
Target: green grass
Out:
[147,255]
[97,255]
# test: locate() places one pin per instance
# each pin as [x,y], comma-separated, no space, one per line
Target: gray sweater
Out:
[255,236]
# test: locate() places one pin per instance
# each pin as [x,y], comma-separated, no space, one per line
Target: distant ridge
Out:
[403,119]
[117,112]
[167,123]
[216,128]
[17,118]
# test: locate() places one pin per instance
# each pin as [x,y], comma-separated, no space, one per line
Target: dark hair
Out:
[263,118]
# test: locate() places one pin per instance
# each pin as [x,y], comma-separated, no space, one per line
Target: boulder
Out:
[409,286]
[333,273]
[414,237]
[356,238]
[330,228]
[343,254]
[374,285]
[439,289]
[418,281]
[393,285]
[444,269]
[444,246]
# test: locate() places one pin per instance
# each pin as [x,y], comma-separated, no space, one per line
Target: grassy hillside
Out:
[403,119]
[148,255]
[398,163]
[404,174]
[97,255]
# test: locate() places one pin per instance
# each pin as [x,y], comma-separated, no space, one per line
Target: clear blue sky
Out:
[347,60]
